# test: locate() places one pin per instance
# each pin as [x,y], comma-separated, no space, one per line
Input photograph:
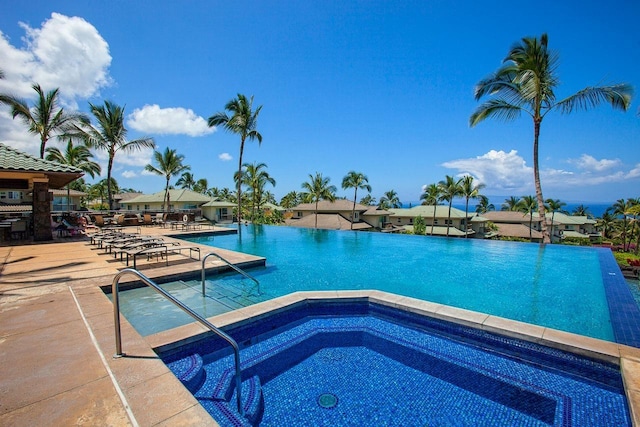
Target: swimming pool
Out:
[358,363]
[572,289]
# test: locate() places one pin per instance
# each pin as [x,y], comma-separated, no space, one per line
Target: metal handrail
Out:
[196,316]
[236,268]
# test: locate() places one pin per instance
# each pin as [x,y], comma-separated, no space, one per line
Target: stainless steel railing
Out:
[196,316]
[236,268]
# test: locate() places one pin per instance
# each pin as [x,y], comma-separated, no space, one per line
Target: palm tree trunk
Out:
[353,210]
[239,184]
[109,166]
[466,218]
[536,179]
[316,214]
[166,196]
[433,220]
[449,216]
[69,197]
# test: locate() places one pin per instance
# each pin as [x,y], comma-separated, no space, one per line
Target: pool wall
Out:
[628,358]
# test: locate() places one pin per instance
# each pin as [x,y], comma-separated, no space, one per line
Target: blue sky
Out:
[382,88]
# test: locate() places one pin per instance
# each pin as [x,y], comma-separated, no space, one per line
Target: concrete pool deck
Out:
[57,341]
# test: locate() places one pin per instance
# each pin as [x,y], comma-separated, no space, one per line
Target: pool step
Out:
[189,370]
[252,400]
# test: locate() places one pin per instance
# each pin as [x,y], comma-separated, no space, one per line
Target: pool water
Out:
[365,364]
[556,286]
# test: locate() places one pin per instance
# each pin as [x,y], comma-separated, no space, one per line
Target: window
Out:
[14,195]
[147,207]
[435,222]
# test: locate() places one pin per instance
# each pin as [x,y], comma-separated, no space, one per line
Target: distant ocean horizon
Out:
[595,209]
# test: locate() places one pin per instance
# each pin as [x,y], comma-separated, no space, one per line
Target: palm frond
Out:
[495,108]
[619,96]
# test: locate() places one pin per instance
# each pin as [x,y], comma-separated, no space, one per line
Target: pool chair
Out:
[147,220]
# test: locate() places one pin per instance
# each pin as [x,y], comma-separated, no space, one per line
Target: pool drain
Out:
[327,400]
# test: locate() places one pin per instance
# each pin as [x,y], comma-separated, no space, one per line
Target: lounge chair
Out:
[147,220]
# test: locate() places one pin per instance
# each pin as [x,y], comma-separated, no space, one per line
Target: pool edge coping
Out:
[626,357]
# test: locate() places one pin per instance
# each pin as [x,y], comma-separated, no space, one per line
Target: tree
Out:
[431,196]
[418,226]
[528,204]
[169,165]
[368,200]
[581,210]
[77,156]
[256,178]
[552,206]
[45,119]
[318,188]
[390,200]
[101,190]
[449,189]
[109,135]
[290,200]
[201,186]
[243,121]
[484,206]
[526,83]
[469,191]
[621,208]
[186,181]
[355,180]
[606,223]
[511,204]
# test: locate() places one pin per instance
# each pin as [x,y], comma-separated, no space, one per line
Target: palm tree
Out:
[552,206]
[355,180]
[243,122]
[77,156]
[255,177]
[449,189]
[186,181]
[511,204]
[169,164]
[430,197]
[390,200]
[110,135]
[368,200]
[290,200]
[484,206]
[469,191]
[606,223]
[101,190]
[528,204]
[46,118]
[581,210]
[621,208]
[526,83]
[318,188]
[201,186]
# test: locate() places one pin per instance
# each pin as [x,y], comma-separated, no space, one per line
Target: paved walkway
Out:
[57,343]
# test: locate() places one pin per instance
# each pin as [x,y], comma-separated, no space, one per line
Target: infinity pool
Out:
[555,286]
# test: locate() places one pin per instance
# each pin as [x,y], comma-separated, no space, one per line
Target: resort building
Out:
[458,223]
[63,200]
[580,227]
[336,215]
[218,211]
[27,179]
[517,225]
[179,200]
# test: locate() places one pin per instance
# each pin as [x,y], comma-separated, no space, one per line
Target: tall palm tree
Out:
[484,206]
[552,206]
[528,205]
[450,188]
[318,188]
[46,118]
[511,204]
[243,121]
[581,210]
[78,156]
[108,135]
[620,209]
[526,83]
[101,189]
[256,178]
[169,165]
[390,200]
[431,196]
[469,191]
[186,180]
[355,180]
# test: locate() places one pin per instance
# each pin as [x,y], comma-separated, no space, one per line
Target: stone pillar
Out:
[41,211]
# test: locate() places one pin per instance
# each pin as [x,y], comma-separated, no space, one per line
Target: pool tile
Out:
[461,316]
[579,344]
[513,328]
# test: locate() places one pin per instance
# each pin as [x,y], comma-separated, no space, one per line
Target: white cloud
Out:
[499,170]
[225,157]
[635,172]
[590,163]
[173,121]
[129,174]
